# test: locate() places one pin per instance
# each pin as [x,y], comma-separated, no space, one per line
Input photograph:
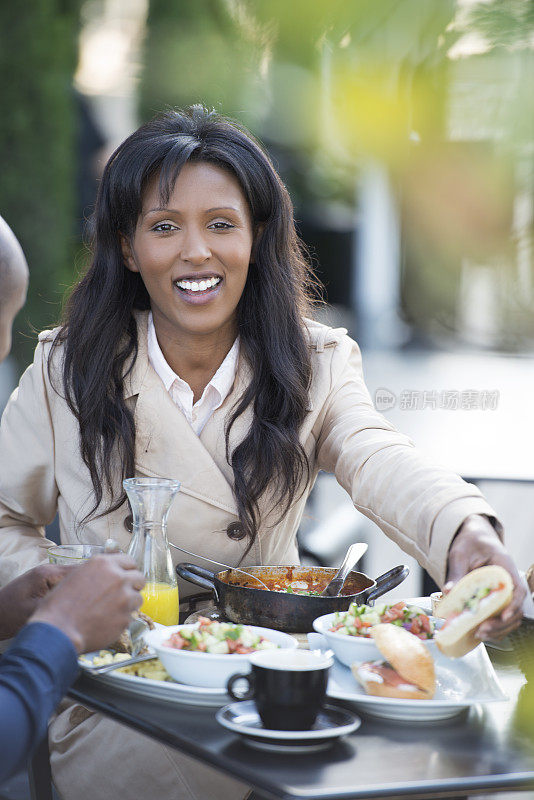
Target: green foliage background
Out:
[37,137]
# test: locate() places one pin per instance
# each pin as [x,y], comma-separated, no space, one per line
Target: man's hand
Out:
[19,599]
[93,603]
[475,545]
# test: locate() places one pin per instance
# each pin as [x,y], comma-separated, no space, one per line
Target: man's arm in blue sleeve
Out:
[35,673]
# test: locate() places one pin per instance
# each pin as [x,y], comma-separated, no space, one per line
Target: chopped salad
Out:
[222,638]
[358,619]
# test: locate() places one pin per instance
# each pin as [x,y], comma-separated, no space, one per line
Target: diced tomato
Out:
[176,641]
[425,623]
[393,613]
[358,623]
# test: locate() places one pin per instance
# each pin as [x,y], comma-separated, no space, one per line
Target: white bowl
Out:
[207,669]
[351,649]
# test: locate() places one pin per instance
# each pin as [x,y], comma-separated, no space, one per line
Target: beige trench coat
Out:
[418,505]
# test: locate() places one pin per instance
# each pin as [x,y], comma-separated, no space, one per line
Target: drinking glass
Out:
[66,554]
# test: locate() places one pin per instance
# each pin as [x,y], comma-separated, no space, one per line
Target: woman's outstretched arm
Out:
[420,505]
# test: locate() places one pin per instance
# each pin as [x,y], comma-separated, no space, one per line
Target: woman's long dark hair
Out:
[100,333]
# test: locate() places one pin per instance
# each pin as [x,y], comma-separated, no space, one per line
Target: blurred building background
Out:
[405,133]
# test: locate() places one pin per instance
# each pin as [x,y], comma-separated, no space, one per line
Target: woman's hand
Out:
[19,599]
[476,545]
[93,603]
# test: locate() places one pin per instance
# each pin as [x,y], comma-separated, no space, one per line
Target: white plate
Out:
[170,691]
[461,683]
[331,723]
[164,690]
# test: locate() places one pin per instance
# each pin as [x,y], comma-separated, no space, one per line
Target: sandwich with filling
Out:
[479,595]
[405,670]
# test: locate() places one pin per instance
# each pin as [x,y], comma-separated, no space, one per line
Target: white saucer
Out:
[331,723]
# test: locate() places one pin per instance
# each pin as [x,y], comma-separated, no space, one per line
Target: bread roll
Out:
[408,670]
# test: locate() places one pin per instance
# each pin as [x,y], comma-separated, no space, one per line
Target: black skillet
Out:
[293,613]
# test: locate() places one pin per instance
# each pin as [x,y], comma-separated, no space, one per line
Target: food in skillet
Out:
[299,587]
[359,619]
[406,670]
[480,594]
[219,637]
[308,585]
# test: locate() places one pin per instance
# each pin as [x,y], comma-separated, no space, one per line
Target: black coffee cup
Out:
[287,686]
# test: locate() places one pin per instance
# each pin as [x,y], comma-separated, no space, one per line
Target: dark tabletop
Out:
[486,749]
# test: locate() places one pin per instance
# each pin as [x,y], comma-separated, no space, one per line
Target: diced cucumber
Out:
[371,617]
[220,648]
[413,611]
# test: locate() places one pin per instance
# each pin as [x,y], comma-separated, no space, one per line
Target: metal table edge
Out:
[451,787]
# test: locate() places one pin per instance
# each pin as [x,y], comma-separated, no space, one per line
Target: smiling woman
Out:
[188,352]
[193,257]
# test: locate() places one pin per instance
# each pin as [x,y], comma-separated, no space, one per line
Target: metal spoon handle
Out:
[354,553]
[118,664]
[219,563]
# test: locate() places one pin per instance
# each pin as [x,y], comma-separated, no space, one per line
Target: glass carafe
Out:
[150,500]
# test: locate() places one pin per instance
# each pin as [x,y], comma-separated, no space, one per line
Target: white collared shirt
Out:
[213,396]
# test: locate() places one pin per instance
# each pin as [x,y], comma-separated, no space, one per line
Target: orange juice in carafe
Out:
[160,602]
[150,499]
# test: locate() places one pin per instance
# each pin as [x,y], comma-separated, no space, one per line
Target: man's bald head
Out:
[13,284]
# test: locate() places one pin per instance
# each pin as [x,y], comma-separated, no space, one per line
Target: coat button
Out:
[128,523]
[235,531]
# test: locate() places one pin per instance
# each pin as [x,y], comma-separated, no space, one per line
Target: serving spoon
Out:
[353,555]
[220,564]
